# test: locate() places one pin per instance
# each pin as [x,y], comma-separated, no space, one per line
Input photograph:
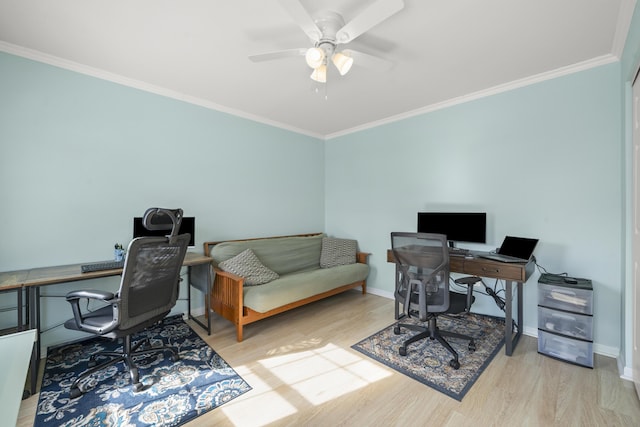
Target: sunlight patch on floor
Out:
[317,375]
[323,374]
[259,407]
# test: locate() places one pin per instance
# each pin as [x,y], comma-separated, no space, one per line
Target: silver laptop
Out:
[513,249]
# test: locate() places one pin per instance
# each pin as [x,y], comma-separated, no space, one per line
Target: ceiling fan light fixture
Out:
[342,62]
[320,74]
[314,57]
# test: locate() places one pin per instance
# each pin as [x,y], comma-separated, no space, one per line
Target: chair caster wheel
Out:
[137,387]
[396,330]
[454,364]
[472,346]
[174,358]
[402,351]
[75,392]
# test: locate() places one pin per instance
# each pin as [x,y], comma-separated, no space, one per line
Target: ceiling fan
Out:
[328,32]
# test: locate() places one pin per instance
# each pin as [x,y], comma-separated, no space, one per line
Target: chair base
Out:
[433,332]
[126,356]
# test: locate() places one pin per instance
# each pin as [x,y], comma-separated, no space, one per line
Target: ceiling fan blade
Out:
[302,18]
[368,61]
[288,53]
[372,16]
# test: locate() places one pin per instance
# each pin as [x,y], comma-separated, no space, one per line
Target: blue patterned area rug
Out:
[174,393]
[428,362]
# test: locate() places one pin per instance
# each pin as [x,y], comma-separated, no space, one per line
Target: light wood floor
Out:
[304,373]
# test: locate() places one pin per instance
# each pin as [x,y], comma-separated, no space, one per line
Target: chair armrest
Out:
[91,294]
[74,298]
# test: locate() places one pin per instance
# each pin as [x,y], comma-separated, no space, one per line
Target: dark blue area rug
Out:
[175,392]
[428,362]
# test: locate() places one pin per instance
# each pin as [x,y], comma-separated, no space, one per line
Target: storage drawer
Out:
[565,348]
[565,298]
[561,322]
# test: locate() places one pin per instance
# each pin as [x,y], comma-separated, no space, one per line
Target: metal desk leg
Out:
[511,338]
[395,301]
[508,318]
[519,286]
[208,278]
[33,298]
[21,323]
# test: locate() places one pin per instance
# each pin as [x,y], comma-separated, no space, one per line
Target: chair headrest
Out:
[163,219]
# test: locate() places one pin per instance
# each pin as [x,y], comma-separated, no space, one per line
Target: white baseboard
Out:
[380,293]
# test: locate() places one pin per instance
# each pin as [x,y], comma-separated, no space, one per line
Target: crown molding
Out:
[549,75]
[125,81]
[137,84]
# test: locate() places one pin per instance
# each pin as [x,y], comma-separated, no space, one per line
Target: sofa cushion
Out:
[298,286]
[337,252]
[283,255]
[246,264]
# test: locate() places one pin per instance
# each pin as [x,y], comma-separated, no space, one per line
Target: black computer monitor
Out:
[188,225]
[457,226]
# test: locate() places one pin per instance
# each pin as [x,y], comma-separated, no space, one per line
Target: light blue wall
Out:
[556,146]
[543,161]
[80,157]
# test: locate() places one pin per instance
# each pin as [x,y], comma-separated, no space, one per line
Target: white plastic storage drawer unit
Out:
[565,318]
[565,348]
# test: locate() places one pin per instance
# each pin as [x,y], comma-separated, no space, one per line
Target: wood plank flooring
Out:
[304,373]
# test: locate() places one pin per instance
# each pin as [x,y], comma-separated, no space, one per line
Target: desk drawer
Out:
[498,270]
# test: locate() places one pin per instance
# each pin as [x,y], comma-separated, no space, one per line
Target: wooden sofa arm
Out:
[228,276]
[361,257]
[227,295]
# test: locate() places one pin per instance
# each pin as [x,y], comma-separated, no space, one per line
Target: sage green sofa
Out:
[258,278]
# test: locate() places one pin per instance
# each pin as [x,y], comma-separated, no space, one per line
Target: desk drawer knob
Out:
[492,270]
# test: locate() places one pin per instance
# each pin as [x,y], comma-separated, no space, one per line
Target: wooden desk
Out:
[510,273]
[32,279]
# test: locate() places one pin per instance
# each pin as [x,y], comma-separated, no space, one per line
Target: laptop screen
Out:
[519,247]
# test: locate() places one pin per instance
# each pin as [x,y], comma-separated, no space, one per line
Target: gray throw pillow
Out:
[246,264]
[337,252]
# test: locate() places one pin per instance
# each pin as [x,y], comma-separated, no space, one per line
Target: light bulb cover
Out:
[320,74]
[342,62]
[314,57]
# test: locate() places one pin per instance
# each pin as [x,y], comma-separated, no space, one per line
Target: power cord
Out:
[500,302]
[543,270]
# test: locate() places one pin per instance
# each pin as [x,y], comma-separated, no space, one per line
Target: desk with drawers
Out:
[511,273]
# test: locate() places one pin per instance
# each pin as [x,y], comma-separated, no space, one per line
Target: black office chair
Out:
[148,291]
[422,288]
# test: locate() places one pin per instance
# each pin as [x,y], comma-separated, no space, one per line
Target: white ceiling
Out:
[443,51]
